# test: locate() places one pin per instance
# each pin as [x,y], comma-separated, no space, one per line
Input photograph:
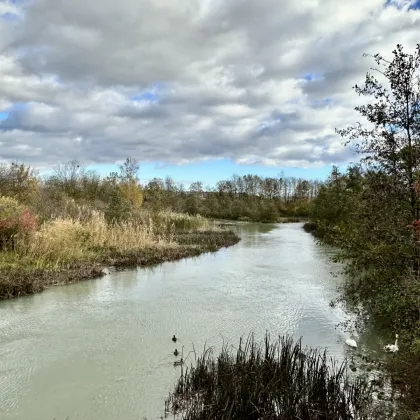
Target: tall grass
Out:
[66,240]
[66,249]
[271,380]
[167,223]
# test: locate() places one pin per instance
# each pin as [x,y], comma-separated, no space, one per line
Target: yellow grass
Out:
[167,222]
[65,240]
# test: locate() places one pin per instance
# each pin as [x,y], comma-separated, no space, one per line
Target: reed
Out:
[63,241]
[208,240]
[268,380]
[64,250]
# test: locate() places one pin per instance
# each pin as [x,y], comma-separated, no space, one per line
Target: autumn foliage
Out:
[14,219]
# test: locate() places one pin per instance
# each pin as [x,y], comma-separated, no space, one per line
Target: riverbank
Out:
[64,251]
[384,295]
[22,280]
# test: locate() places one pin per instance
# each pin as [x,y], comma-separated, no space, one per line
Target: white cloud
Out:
[223,77]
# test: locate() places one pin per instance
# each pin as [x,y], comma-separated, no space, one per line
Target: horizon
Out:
[194,90]
[208,172]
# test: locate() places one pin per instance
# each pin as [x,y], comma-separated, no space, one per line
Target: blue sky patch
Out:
[414,5]
[310,76]
[16,107]
[10,17]
[146,96]
[150,95]
[319,103]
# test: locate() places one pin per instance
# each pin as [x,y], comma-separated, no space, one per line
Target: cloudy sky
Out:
[192,88]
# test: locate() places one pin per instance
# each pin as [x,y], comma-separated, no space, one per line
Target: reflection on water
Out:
[103,349]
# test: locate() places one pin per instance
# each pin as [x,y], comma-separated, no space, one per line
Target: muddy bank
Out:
[23,280]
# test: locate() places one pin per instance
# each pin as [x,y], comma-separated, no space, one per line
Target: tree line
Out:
[248,197]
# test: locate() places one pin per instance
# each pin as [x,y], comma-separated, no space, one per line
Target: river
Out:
[102,349]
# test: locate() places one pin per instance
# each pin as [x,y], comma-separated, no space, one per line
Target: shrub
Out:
[119,207]
[310,227]
[14,219]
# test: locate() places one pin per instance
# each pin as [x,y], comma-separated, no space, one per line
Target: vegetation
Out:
[372,213]
[272,380]
[66,227]
[247,198]
[74,221]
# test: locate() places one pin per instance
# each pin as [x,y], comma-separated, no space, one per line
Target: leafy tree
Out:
[372,212]
[131,192]
[119,208]
[392,141]
[155,194]
[269,212]
[127,182]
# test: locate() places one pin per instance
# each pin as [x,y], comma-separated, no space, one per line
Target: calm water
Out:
[102,349]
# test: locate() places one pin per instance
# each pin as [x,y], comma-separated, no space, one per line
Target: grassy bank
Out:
[271,380]
[66,250]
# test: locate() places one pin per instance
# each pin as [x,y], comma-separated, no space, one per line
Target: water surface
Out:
[102,349]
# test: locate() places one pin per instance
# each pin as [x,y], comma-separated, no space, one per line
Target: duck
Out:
[178,362]
[350,342]
[352,365]
[392,347]
[176,352]
[174,339]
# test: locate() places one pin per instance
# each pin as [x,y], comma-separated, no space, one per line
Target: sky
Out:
[194,89]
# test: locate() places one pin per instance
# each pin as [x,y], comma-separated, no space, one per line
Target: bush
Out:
[119,207]
[14,219]
[310,227]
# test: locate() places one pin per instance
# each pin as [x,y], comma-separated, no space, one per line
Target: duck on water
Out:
[392,347]
[351,342]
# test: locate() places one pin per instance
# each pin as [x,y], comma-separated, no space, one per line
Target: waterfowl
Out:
[176,352]
[174,339]
[352,365]
[178,362]
[350,342]
[392,347]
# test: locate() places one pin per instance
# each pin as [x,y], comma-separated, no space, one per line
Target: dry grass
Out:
[167,223]
[63,241]
[65,250]
[58,241]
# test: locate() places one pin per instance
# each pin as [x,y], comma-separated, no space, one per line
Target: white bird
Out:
[392,347]
[350,342]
